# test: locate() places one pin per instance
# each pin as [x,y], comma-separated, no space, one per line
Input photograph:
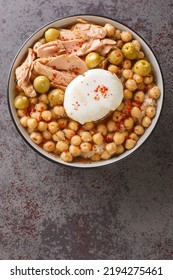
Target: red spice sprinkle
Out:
[54,75]
[76,105]
[103,90]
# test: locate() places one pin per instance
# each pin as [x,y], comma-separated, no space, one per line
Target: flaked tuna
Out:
[23,74]
[87,30]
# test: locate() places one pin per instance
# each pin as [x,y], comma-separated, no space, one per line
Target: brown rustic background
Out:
[122,211]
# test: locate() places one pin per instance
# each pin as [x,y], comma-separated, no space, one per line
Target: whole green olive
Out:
[115,56]
[51,34]
[56,97]
[41,84]
[130,51]
[92,59]
[142,67]
[21,102]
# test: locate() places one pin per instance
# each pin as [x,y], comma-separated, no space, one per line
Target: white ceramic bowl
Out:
[62,23]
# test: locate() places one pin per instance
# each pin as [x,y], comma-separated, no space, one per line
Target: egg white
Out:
[91,96]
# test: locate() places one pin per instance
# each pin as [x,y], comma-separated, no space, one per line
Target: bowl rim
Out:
[8,95]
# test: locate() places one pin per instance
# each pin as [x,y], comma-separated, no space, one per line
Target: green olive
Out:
[142,67]
[115,56]
[51,34]
[130,51]
[41,84]
[56,97]
[92,60]
[21,102]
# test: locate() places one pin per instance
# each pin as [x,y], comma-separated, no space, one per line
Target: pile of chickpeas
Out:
[49,126]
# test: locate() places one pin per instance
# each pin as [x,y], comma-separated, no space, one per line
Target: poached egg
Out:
[91,96]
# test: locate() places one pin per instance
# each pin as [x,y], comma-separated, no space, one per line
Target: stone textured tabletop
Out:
[122,211]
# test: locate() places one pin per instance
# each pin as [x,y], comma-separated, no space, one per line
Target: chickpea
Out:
[98,138]
[150,86]
[113,68]
[46,115]
[146,121]
[76,140]
[131,85]
[150,111]
[36,137]
[148,79]
[36,115]
[136,112]
[129,144]
[95,157]
[127,64]
[73,125]
[141,87]
[49,146]
[120,107]
[110,30]
[42,126]
[136,44]
[59,111]
[137,78]
[30,130]
[85,147]
[47,135]
[105,155]
[66,156]
[139,130]
[68,133]
[139,96]
[117,116]
[74,150]
[102,129]
[111,126]
[54,116]
[127,94]
[120,149]
[86,136]
[32,123]
[53,127]
[125,133]
[40,107]
[33,100]
[120,44]
[134,136]
[128,123]
[62,146]
[58,136]
[23,120]
[127,73]
[109,137]
[117,34]
[126,36]
[88,125]
[119,138]
[21,112]
[43,98]
[62,123]
[111,148]
[140,55]
[154,92]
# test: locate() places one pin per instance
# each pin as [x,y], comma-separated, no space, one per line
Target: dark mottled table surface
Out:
[122,211]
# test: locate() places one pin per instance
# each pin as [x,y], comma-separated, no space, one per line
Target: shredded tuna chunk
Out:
[23,74]
[50,49]
[86,30]
[57,77]
[96,45]
[65,62]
